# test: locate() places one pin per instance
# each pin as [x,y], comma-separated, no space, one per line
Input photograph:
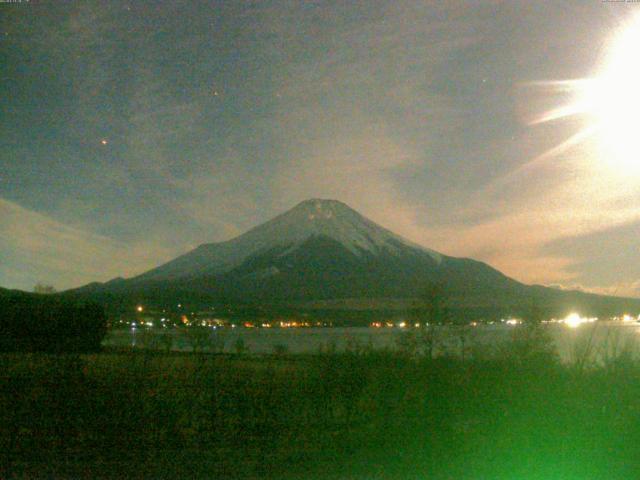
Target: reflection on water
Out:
[598,340]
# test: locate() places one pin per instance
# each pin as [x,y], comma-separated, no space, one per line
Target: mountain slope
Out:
[311,218]
[322,251]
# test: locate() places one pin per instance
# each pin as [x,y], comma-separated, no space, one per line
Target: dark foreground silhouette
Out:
[515,413]
[48,323]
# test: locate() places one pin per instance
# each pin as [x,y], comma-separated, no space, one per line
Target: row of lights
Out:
[573,320]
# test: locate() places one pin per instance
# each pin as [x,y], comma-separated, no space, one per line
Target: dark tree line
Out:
[34,323]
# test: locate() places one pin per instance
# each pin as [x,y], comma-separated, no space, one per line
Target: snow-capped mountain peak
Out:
[332,219]
[310,218]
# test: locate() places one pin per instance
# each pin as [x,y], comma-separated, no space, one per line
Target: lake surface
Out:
[598,340]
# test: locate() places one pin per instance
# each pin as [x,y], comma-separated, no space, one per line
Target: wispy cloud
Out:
[37,248]
[411,112]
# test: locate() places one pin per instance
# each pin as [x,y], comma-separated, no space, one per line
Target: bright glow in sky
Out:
[611,100]
[132,133]
[616,100]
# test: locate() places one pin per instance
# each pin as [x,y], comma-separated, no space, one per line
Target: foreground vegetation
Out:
[45,323]
[512,413]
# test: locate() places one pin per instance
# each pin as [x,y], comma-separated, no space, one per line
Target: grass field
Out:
[517,414]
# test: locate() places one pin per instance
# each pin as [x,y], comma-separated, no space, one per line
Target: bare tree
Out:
[198,338]
[436,314]
[437,310]
[43,288]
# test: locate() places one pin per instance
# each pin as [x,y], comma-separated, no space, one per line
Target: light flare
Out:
[574,320]
[610,102]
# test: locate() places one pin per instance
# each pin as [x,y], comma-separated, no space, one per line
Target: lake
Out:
[599,339]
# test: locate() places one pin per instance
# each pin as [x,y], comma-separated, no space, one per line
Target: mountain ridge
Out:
[323,252]
[327,217]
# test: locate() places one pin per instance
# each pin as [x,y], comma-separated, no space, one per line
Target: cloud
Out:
[37,248]
[381,121]
[620,289]
[411,112]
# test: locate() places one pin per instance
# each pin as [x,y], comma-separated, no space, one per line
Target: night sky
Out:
[132,132]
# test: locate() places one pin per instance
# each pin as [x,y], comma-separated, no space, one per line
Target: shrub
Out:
[280,349]
[50,324]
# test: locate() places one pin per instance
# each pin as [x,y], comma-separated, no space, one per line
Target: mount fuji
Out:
[323,254]
[327,221]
